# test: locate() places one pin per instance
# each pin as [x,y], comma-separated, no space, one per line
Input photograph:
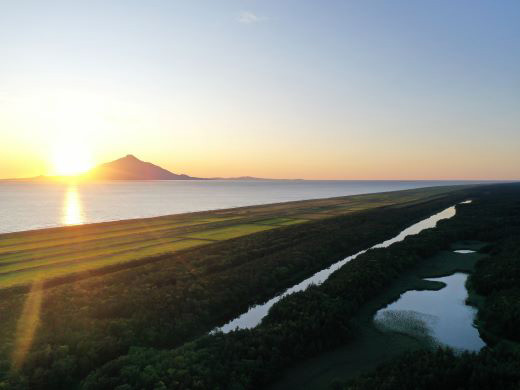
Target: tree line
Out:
[312,321]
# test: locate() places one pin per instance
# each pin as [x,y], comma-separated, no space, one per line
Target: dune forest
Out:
[139,304]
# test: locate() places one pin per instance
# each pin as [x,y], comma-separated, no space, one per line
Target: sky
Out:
[269,88]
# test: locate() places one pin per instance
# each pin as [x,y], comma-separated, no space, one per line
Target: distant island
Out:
[130,167]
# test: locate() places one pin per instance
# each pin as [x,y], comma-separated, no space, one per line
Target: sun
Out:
[71,159]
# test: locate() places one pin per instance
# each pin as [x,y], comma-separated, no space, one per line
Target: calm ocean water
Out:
[26,205]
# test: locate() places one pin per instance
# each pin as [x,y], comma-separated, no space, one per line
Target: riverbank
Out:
[372,346]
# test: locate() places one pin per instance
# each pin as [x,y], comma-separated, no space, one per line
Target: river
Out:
[255,314]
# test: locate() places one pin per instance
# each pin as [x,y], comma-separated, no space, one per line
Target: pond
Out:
[441,316]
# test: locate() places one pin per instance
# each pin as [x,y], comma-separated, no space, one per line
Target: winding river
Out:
[255,314]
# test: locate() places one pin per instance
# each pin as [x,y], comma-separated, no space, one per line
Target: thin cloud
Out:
[248,17]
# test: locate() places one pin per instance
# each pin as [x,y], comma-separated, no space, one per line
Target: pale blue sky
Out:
[316,89]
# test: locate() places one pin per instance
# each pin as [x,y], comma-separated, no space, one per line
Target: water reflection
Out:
[441,316]
[72,210]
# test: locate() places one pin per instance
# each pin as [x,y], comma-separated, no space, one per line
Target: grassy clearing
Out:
[372,347]
[47,253]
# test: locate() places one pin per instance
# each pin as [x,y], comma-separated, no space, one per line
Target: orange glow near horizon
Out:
[344,92]
[65,132]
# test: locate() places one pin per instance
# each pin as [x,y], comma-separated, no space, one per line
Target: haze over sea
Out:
[27,205]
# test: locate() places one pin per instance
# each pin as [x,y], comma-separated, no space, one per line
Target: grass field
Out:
[62,267]
[372,347]
[48,253]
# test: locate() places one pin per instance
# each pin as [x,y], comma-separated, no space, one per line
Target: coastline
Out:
[57,252]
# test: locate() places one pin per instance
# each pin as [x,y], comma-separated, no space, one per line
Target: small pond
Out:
[442,316]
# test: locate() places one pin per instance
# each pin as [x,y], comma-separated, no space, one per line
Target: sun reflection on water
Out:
[72,210]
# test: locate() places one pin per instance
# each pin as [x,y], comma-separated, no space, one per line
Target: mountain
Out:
[131,168]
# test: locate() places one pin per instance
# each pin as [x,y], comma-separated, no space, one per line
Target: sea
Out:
[28,205]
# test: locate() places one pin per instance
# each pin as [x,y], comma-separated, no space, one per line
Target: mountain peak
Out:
[130,167]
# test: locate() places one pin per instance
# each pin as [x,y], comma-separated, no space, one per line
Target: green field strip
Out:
[55,270]
[229,232]
[272,221]
[89,237]
[281,221]
[81,255]
[46,263]
[87,248]
[79,233]
[67,232]
[82,246]
[120,233]
[164,233]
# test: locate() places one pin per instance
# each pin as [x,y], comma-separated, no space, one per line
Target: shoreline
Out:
[294,203]
[55,253]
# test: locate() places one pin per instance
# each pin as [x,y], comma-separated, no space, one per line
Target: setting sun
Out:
[260,195]
[71,160]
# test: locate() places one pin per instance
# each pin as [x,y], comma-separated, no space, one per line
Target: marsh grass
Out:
[377,342]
